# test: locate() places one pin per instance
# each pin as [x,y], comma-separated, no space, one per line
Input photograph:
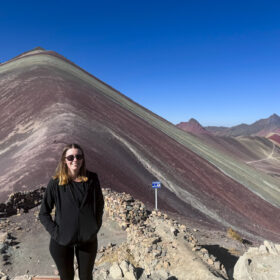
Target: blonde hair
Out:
[61,172]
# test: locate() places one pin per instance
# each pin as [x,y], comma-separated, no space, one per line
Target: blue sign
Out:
[156,185]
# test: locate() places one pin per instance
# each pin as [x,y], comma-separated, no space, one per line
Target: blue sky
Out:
[215,61]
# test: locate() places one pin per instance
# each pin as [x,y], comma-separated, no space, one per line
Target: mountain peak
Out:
[192,126]
[32,51]
[274,116]
[35,50]
[38,49]
[193,121]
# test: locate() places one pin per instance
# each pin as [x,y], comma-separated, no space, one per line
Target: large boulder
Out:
[259,263]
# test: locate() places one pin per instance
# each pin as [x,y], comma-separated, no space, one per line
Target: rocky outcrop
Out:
[21,201]
[124,208]
[259,263]
[157,246]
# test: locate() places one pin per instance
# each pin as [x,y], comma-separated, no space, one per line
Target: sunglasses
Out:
[71,157]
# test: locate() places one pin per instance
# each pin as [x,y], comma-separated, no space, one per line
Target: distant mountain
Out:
[47,101]
[192,126]
[248,147]
[261,127]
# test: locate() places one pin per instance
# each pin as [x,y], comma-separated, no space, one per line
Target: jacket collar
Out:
[87,184]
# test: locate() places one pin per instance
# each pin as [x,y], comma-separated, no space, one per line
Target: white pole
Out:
[156,197]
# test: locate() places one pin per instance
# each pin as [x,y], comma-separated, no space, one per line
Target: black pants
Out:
[64,259]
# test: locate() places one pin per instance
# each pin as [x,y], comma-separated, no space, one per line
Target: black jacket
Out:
[72,224]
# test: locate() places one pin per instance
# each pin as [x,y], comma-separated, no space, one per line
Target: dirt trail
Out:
[269,156]
[29,253]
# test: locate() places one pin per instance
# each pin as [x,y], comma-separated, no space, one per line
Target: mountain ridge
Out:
[260,127]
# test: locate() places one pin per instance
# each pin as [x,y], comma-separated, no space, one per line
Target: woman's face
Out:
[73,160]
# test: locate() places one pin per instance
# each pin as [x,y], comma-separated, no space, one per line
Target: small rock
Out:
[174,231]
[124,266]
[101,274]
[263,249]
[204,251]
[258,264]
[217,265]
[3,237]
[115,271]
[270,247]
[130,276]
[162,273]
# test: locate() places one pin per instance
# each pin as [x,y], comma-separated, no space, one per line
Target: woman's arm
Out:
[46,209]
[99,200]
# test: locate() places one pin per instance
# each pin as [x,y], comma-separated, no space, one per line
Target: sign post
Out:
[156,186]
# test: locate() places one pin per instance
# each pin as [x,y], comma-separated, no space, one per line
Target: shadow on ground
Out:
[224,256]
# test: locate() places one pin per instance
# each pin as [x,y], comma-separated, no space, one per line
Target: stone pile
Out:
[124,209]
[21,202]
[152,241]
[259,263]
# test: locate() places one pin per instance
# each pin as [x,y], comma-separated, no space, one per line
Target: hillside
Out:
[262,153]
[48,101]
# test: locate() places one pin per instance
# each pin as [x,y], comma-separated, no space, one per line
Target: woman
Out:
[75,192]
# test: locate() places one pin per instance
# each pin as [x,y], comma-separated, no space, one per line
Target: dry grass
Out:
[234,235]
[235,252]
[110,258]
[117,255]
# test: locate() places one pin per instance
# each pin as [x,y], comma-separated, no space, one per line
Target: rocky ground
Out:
[28,250]
[134,243]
